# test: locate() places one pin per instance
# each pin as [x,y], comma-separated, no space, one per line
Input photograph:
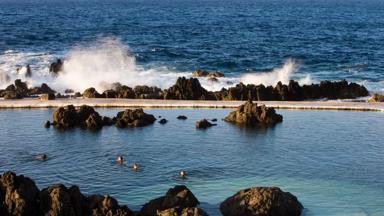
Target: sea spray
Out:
[108,60]
[282,74]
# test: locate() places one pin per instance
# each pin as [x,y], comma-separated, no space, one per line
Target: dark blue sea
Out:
[153,42]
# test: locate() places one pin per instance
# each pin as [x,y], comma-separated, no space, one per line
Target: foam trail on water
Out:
[282,74]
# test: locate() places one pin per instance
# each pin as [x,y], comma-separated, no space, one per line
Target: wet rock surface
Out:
[86,117]
[261,201]
[182,117]
[19,196]
[134,118]
[249,114]
[175,201]
[203,124]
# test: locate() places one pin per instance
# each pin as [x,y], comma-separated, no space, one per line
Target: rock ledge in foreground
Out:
[261,201]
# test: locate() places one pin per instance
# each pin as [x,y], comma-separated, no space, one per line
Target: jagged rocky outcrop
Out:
[69,116]
[376,98]
[125,92]
[20,89]
[91,93]
[190,89]
[293,91]
[203,73]
[147,92]
[134,118]
[86,117]
[261,201]
[250,114]
[187,89]
[48,96]
[19,196]
[17,90]
[43,89]
[56,67]
[200,73]
[177,201]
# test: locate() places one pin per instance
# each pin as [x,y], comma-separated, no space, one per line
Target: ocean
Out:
[149,42]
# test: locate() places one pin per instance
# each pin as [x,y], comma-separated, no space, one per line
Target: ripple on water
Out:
[329,159]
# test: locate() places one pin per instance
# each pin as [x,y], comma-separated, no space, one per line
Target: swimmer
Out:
[182,174]
[42,157]
[120,159]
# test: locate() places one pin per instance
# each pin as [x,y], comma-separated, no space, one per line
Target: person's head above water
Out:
[182,174]
[42,157]
[120,159]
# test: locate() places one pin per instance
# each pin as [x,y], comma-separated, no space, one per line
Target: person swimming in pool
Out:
[42,157]
[182,174]
[120,159]
[135,167]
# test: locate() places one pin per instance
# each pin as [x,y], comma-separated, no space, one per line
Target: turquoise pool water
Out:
[331,160]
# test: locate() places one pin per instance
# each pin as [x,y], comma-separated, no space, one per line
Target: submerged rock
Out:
[203,124]
[261,201]
[182,117]
[215,74]
[179,197]
[200,73]
[134,118]
[250,114]
[213,79]
[163,121]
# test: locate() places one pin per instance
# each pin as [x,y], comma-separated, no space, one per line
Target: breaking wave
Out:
[108,60]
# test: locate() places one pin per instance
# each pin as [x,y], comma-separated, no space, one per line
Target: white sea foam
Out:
[282,74]
[108,60]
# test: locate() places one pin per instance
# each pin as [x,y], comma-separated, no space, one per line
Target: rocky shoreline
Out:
[19,196]
[190,89]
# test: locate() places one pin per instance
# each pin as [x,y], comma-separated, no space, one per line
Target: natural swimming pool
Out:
[331,160]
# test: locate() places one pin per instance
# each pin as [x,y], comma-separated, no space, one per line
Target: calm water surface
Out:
[331,160]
